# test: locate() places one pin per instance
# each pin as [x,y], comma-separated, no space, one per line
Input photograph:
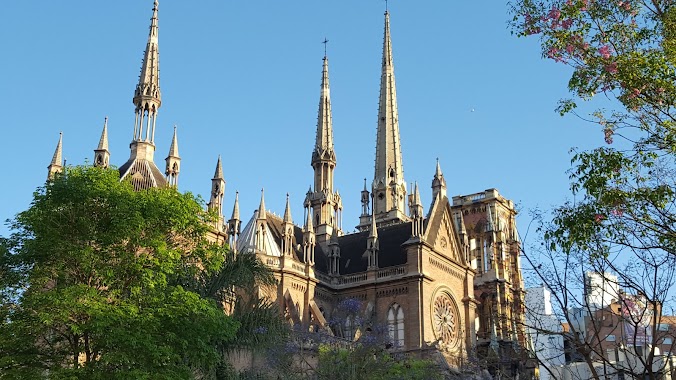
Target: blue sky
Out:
[241,79]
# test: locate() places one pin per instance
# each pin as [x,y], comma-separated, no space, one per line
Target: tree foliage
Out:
[625,50]
[622,218]
[101,281]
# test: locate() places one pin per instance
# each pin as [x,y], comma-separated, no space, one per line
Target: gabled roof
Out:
[143,174]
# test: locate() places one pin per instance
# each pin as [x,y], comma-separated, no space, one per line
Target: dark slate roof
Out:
[275,224]
[353,246]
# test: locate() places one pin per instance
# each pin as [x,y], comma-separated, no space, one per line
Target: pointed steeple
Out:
[262,243]
[217,193]
[101,153]
[324,138]
[261,207]
[234,224]
[308,222]
[235,208]
[56,165]
[287,230]
[438,183]
[372,245]
[388,182]
[309,240]
[147,96]
[287,210]
[325,201]
[219,168]
[373,231]
[173,149]
[147,100]
[103,142]
[173,161]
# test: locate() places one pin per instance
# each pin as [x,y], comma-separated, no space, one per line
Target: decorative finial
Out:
[386,7]
[325,42]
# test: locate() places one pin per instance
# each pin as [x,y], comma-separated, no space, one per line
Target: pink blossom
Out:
[599,218]
[617,212]
[570,49]
[554,13]
[604,51]
[608,135]
[611,68]
[567,23]
[634,93]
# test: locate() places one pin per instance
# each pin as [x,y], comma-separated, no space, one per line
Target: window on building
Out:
[395,324]
[663,327]
[610,338]
[349,329]
[667,341]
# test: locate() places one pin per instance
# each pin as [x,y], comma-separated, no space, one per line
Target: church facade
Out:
[444,279]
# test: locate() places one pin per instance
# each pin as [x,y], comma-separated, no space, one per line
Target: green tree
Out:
[101,281]
[625,50]
[622,218]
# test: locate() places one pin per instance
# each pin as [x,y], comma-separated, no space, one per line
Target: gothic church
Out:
[446,279]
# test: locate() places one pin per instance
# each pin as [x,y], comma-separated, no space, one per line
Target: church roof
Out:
[390,253]
[247,239]
[144,174]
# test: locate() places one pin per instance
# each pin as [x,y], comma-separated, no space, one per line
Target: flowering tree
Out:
[623,217]
[625,50]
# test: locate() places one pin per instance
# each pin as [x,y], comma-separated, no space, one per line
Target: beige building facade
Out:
[446,279]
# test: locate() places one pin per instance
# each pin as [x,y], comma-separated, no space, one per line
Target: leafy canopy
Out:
[625,50]
[101,281]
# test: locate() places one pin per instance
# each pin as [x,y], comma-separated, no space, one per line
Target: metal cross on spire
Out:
[325,42]
[386,8]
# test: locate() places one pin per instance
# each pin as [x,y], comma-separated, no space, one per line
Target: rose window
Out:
[445,320]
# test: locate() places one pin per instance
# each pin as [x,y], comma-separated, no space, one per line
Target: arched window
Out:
[349,328]
[395,324]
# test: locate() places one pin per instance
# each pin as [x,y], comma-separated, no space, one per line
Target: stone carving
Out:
[446,321]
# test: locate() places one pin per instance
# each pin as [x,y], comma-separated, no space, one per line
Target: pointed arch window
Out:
[349,328]
[395,324]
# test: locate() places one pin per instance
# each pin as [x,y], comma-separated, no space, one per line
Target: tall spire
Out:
[372,245]
[235,208]
[147,100]
[147,97]
[309,240]
[219,168]
[388,182]
[287,230]
[325,201]
[173,162]
[287,210]
[438,183]
[324,139]
[217,193]
[173,149]
[234,224]
[56,165]
[101,153]
[261,207]
[103,142]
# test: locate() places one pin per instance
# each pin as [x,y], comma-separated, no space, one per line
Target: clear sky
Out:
[241,79]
